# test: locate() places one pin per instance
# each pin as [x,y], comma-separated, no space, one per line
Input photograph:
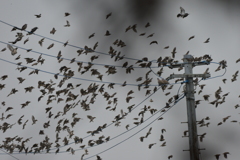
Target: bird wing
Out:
[10,48]
[182,10]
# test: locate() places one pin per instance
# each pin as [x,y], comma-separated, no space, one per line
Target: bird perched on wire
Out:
[182,13]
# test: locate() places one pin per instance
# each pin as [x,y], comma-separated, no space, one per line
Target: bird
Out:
[92,35]
[169,157]
[4,49]
[24,27]
[150,35]
[207,40]
[67,14]
[108,15]
[50,46]
[182,13]
[32,30]
[225,154]
[13,50]
[26,41]
[174,52]
[107,33]
[91,118]
[147,25]
[154,42]
[34,120]
[217,156]
[68,24]
[191,38]
[166,47]
[20,79]
[53,31]
[38,15]
[150,145]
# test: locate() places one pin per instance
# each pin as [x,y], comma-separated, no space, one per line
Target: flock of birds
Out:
[60,91]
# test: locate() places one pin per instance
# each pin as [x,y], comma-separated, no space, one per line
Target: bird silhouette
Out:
[182,13]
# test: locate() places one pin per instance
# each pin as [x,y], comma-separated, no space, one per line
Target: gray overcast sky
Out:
[217,20]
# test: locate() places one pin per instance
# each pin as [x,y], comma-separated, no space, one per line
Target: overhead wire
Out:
[64,42]
[9,154]
[135,132]
[83,79]
[41,53]
[168,108]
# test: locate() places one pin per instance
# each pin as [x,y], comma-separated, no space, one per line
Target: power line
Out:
[83,79]
[41,53]
[136,132]
[64,42]
[9,154]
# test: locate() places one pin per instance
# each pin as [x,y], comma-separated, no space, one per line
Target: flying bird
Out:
[225,154]
[191,38]
[207,40]
[154,42]
[147,25]
[107,33]
[67,25]
[67,14]
[38,15]
[53,31]
[108,15]
[92,35]
[182,13]
[174,52]
[13,50]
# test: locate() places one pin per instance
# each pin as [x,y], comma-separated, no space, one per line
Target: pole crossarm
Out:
[178,65]
[204,76]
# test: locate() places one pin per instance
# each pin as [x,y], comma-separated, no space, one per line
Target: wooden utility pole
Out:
[189,92]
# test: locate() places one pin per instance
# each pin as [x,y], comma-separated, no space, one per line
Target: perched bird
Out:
[108,15]
[32,30]
[182,13]
[24,27]
[191,38]
[206,40]
[38,15]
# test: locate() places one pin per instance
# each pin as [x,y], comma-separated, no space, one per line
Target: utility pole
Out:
[190,99]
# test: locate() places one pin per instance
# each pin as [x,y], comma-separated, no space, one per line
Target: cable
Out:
[76,77]
[67,58]
[9,154]
[68,43]
[110,123]
[134,133]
